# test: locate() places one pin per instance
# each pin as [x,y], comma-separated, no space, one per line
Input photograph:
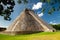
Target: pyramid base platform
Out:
[19,32]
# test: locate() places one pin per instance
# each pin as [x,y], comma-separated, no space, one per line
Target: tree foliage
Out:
[6,12]
[6,7]
[22,1]
[57,26]
[51,4]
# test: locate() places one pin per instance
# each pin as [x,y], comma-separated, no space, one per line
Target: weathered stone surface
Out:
[27,21]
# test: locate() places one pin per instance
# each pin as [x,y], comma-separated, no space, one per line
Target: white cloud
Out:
[1,25]
[53,23]
[37,6]
[4,26]
[40,15]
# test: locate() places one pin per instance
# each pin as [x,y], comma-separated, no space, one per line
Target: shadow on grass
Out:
[37,33]
[33,33]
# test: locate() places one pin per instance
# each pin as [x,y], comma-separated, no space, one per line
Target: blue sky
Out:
[52,19]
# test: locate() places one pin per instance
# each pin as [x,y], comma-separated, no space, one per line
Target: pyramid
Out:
[29,22]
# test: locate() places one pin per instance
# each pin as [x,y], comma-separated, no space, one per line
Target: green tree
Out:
[6,12]
[9,5]
[51,4]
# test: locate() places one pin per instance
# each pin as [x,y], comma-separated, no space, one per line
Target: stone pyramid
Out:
[29,22]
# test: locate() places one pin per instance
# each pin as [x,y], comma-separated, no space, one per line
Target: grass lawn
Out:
[36,36]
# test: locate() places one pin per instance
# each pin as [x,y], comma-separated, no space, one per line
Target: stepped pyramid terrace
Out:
[28,22]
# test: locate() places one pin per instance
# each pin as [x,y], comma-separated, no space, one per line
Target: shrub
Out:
[57,26]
